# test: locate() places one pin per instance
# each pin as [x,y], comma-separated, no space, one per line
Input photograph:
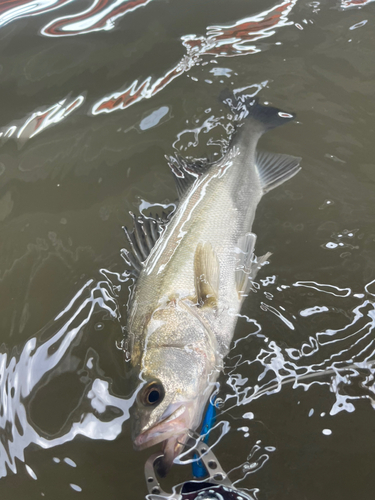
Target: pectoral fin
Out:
[207,275]
[248,264]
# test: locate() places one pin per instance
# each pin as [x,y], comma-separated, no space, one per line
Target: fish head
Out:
[177,377]
[178,370]
[170,401]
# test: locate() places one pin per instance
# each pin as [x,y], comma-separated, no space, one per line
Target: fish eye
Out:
[152,394]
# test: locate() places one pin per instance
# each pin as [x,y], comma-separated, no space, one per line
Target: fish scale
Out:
[191,286]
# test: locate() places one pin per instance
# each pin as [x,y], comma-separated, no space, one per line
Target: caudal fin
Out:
[249,108]
[273,169]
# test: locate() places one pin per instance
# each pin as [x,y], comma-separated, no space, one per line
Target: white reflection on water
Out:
[334,357]
[238,38]
[256,459]
[21,374]
[10,11]
[220,41]
[347,4]
[42,119]
[100,15]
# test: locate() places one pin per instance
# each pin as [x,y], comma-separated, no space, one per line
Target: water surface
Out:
[93,95]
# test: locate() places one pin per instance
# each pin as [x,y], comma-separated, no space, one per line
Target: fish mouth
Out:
[171,448]
[171,428]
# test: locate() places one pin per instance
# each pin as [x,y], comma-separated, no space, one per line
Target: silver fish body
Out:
[190,288]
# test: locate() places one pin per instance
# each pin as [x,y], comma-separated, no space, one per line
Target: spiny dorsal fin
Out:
[142,238]
[207,275]
[185,171]
[274,169]
[248,264]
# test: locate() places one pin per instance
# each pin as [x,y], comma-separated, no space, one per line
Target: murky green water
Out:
[93,95]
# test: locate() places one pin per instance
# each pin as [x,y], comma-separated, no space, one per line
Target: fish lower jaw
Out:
[143,442]
[170,427]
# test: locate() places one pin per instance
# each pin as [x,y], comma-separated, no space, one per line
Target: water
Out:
[94,94]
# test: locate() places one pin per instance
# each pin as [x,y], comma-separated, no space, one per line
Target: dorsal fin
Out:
[142,238]
[185,171]
[274,169]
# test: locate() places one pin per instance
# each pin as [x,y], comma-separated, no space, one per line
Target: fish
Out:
[193,270]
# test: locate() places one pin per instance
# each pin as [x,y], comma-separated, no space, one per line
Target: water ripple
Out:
[346,4]
[337,358]
[220,41]
[21,375]
[101,15]
[42,119]
[10,11]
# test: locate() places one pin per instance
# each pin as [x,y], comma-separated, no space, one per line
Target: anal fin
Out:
[207,275]
[248,264]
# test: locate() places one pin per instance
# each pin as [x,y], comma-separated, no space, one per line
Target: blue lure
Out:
[199,470]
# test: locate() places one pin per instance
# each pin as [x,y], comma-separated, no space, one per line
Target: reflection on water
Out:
[220,41]
[345,4]
[337,359]
[341,355]
[23,374]
[40,120]
[17,9]
[101,15]
[342,360]
[237,39]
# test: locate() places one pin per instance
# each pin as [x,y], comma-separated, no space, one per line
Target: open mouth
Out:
[172,425]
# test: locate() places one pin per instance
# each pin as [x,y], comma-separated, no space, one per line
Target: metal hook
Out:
[216,474]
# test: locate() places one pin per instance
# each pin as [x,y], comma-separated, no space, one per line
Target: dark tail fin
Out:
[249,108]
[273,169]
